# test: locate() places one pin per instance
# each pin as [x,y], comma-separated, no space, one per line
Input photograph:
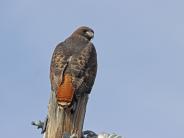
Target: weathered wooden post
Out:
[62,122]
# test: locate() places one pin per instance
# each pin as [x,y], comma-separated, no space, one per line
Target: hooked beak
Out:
[90,34]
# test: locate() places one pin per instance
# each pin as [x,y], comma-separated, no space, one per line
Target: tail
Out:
[65,92]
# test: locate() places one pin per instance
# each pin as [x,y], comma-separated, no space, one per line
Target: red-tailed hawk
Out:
[73,67]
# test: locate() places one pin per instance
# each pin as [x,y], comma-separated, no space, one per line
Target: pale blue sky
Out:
[139,90]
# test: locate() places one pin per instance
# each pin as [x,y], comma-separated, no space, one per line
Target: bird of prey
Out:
[73,67]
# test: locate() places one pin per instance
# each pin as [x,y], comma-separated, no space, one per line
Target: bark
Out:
[62,122]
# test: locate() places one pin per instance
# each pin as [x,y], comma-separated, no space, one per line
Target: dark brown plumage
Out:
[73,67]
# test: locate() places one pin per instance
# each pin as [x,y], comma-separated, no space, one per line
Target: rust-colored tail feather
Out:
[65,91]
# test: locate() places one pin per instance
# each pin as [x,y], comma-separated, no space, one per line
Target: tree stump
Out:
[62,122]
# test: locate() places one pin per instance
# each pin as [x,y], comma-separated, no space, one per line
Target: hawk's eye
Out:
[84,31]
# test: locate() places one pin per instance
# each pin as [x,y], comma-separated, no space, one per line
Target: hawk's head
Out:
[84,31]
